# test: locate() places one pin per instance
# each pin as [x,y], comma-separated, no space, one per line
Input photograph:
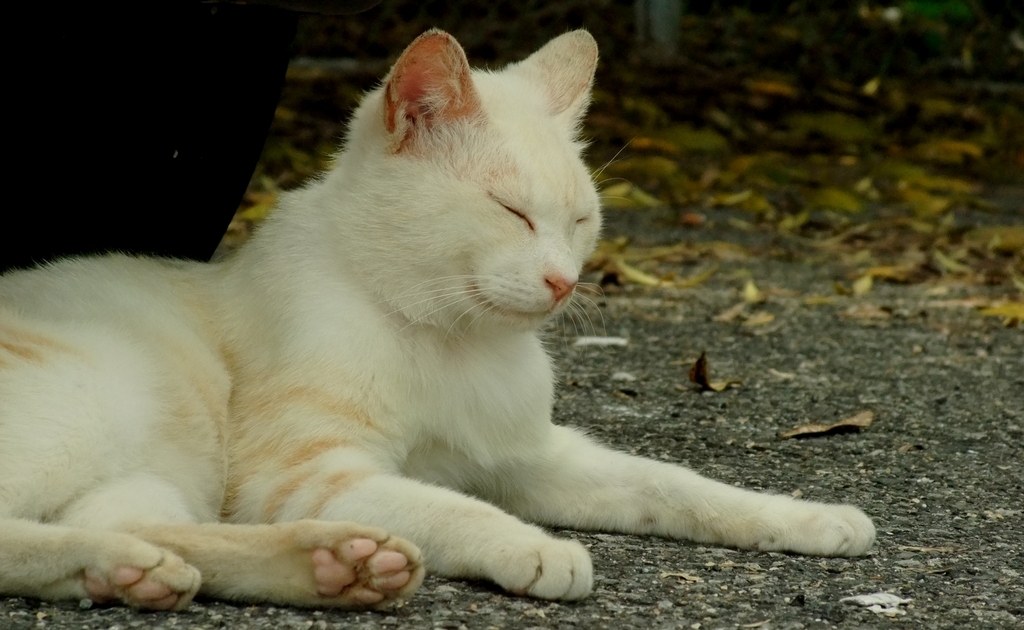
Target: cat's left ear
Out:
[429,85]
[564,68]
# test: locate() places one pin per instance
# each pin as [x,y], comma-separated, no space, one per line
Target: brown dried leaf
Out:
[695,279]
[867,311]
[853,423]
[699,375]
[730,313]
[759,319]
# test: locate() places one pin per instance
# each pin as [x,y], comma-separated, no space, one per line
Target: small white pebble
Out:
[601,341]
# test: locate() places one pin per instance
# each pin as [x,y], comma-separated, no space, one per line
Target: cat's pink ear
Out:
[430,84]
[564,68]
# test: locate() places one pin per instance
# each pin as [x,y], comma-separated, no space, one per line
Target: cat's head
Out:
[471,204]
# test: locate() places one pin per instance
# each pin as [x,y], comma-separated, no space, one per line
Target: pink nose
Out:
[559,285]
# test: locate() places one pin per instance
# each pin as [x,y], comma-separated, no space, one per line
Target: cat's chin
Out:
[510,316]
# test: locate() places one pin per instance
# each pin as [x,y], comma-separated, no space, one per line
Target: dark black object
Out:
[137,128]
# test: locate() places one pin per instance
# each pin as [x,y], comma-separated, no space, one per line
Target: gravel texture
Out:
[939,470]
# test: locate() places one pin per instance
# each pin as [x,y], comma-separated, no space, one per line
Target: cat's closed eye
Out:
[518,213]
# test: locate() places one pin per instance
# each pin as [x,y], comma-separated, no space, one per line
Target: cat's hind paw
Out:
[361,567]
[363,572]
[155,580]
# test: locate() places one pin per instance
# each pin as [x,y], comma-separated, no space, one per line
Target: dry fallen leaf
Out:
[1008,309]
[853,423]
[631,273]
[947,264]
[695,279]
[867,311]
[682,576]
[1011,312]
[862,285]
[730,313]
[699,375]
[759,319]
[751,293]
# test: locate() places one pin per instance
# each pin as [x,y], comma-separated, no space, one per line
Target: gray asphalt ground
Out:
[939,470]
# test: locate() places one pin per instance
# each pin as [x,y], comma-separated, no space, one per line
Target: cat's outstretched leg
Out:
[54,562]
[580,484]
[301,563]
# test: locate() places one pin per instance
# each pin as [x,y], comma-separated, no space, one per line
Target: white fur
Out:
[386,313]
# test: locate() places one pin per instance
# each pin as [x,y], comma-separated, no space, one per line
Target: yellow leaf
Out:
[633,274]
[1013,310]
[759,319]
[626,195]
[921,178]
[948,151]
[1004,239]
[731,199]
[834,125]
[794,221]
[751,294]
[925,204]
[836,199]
[757,204]
[871,87]
[772,88]
[949,265]
[259,210]
[692,140]
[896,274]
[656,144]
[862,285]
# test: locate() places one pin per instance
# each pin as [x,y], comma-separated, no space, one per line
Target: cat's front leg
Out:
[579,484]
[459,536]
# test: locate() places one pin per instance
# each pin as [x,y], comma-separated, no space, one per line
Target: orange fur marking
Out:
[333,486]
[282,493]
[310,397]
[20,343]
[311,450]
[22,351]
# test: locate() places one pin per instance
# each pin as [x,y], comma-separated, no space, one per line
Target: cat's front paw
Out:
[547,568]
[819,529]
[840,530]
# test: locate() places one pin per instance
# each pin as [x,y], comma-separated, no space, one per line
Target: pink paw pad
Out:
[361,570]
[130,584]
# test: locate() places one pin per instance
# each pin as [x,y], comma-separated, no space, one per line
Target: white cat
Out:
[370,355]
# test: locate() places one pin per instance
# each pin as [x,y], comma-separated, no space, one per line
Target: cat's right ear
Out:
[430,84]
